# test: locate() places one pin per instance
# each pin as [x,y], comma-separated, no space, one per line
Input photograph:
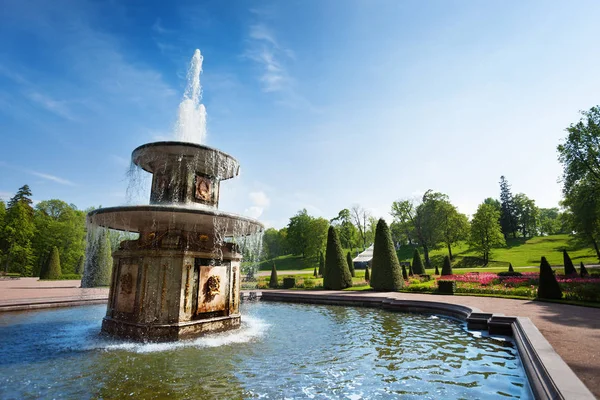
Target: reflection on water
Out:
[281,351]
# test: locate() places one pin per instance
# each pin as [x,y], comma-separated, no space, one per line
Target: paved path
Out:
[573,331]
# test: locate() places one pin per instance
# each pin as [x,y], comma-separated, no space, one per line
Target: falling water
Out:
[191,122]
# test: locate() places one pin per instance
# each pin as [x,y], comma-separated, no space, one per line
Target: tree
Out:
[454,225]
[2,227]
[45,267]
[404,273]
[447,266]
[350,264]
[272,244]
[437,271]
[510,268]
[550,221]
[417,264]
[386,272]
[527,215]
[347,232]
[360,218]
[273,281]
[54,271]
[583,213]
[583,271]
[298,230]
[321,263]
[18,232]
[568,264]
[315,274]
[80,265]
[486,232]
[317,237]
[337,275]
[508,220]
[367,275]
[98,260]
[548,287]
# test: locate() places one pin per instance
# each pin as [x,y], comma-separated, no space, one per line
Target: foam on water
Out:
[252,328]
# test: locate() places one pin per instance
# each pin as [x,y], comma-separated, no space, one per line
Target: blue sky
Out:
[325,104]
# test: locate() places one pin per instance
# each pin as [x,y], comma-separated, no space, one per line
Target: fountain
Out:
[181,277]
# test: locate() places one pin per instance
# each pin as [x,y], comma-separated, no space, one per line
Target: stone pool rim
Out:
[549,375]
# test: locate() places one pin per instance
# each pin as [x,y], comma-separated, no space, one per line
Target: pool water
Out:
[281,351]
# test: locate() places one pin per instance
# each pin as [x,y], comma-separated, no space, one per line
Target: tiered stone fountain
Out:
[181,277]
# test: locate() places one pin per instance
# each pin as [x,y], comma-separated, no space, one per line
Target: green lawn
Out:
[520,252]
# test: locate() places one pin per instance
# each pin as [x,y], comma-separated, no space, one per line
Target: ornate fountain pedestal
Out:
[181,277]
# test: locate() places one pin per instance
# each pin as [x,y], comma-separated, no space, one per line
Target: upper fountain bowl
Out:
[156,156]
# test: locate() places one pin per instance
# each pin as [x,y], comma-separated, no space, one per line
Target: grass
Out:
[521,252]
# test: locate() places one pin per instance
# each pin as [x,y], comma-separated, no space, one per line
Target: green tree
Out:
[350,264]
[360,218]
[298,231]
[347,232]
[18,232]
[527,215]
[386,273]
[508,219]
[45,267]
[510,268]
[54,271]
[454,225]
[98,260]
[273,281]
[583,213]
[417,264]
[321,263]
[568,264]
[317,237]
[315,274]
[2,227]
[446,266]
[80,265]
[272,243]
[337,275]
[486,232]
[367,274]
[548,287]
[404,273]
[437,271]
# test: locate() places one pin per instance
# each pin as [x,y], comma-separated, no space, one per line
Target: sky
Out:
[325,104]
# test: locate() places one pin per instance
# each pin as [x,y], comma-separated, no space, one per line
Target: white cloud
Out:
[57,107]
[52,178]
[260,199]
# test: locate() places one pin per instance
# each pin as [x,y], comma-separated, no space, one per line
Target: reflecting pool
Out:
[281,351]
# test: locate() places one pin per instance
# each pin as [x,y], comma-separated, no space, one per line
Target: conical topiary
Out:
[437,271]
[583,271]
[510,268]
[417,263]
[404,274]
[410,270]
[386,274]
[569,267]
[80,265]
[367,275]
[98,260]
[549,287]
[337,274]
[315,274]
[350,264]
[321,263]
[54,271]
[447,266]
[273,281]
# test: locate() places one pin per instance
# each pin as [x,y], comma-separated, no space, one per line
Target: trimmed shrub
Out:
[386,274]
[80,265]
[98,261]
[437,271]
[367,275]
[67,277]
[425,277]
[509,273]
[273,281]
[315,274]
[549,287]
[510,268]
[417,263]
[569,267]
[321,263]
[45,266]
[404,274]
[54,271]
[289,283]
[583,271]
[447,267]
[350,264]
[337,274]
[446,287]
[309,283]
[410,270]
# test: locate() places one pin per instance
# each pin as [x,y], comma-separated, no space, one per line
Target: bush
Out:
[350,264]
[53,271]
[315,274]
[510,268]
[98,260]
[80,265]
[446,287]
[417,263]
[509,273]
[273,281]
[437,271]
[569,267]
[321,263]
[447,267]
[289,283]
[583,271]
[65,277]
[549,287]
[404,274]
[425,277]
[337,274]
[386,273]
[367,275]
[410,270]
[309,283]
[10,275]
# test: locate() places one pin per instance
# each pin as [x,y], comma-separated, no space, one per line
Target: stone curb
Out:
[37,304]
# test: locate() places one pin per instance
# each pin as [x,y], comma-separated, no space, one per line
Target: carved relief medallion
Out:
[203,188]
